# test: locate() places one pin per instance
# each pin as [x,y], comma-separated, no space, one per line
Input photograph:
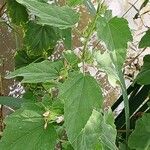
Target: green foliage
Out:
[17,12]
[61,17]
[38,72]
[62,105]
[115,33]
[143,77]
[140,138]
[80,100]
[71,58]
[39,38]
[25,129]
[23,59]
[145,42]
[66,35]
[96,134]
[74,2]
[11,102]
[105,64]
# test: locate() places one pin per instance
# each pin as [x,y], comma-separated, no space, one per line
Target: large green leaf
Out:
[38,72]
[145,41]
[116,34]
[62,17]
[140,138]
[17,12]
[81,95]
[144,76]
[45,38]
[96,134]
[25,130]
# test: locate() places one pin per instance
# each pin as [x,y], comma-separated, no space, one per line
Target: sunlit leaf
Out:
[116,34]
[105,64]
[38,72]
[96,134]
[61,17]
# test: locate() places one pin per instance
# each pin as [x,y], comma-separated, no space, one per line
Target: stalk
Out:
[91,29]
[126,104]
[125,97]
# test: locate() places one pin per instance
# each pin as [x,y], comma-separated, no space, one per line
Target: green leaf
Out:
[116,34]
[145,41]
[81,95]
[96,134]
[38,72]
[25,130]
[140,137]
[61,17]
[143,77]
[71,58]
[17,12]
[22,59]
[29,96]
[105,64]
[67,146]
[74,2]
[45,38]
[66,35]
[11,101]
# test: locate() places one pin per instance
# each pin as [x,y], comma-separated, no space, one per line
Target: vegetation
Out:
[63,106]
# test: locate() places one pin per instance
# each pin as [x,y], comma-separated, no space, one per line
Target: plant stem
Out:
[125,97]
[126,103]
[91,29]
